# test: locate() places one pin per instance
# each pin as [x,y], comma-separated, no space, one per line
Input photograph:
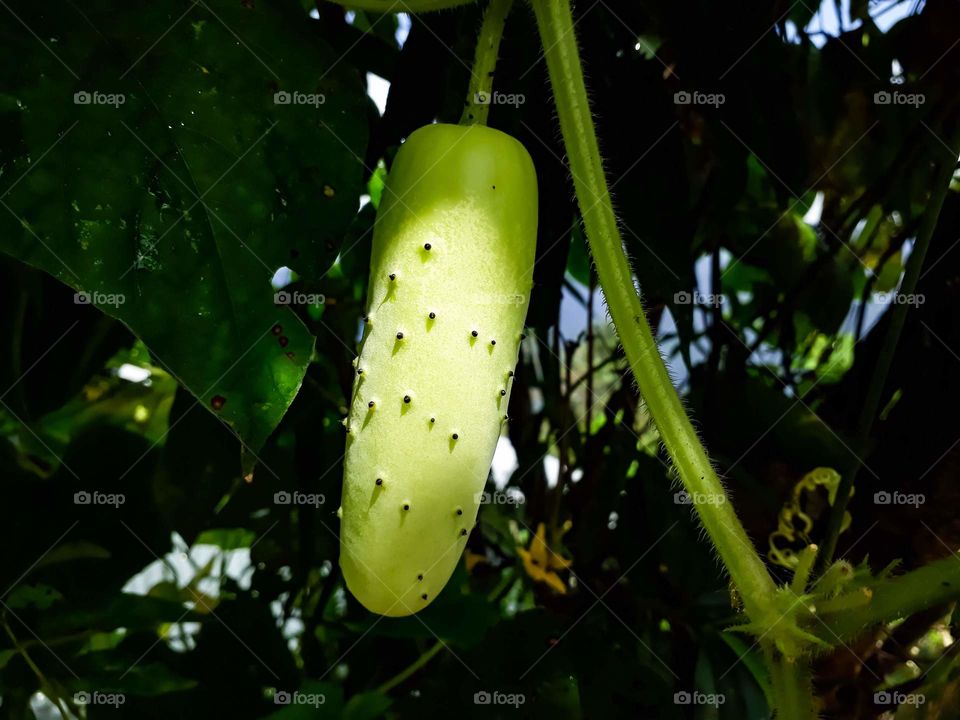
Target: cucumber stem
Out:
[479,93]
[410,669]
[746,569]
[792,686]
[890,599]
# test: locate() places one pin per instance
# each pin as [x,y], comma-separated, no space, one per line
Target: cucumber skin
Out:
[470,192]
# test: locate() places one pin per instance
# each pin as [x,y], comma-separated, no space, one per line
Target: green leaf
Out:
[839,360]
[753,659]
[144,168]
[39,596]
[890,273]
[67,552]
[5,657]
[825,302]
[366,706]
[578,261]
[705,681]
[140,407]
[143,679]
[648,45]
[133,612]
[376,184]
[561,696]
[227,538]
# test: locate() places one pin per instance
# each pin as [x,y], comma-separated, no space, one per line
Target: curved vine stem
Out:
[480,91]
[746,569]
[46,686]
[410,669]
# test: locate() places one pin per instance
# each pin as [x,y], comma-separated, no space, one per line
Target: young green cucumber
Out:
[450,279]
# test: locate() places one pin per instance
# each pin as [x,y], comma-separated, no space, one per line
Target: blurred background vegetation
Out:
[770,163]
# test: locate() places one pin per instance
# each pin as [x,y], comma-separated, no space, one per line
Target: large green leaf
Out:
[146,161]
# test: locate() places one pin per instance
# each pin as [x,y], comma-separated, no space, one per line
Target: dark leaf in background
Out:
[166,163]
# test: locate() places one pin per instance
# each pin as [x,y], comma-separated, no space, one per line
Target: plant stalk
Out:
[925,587]
[479,93]
[746,569]
[792,687]
[404,674]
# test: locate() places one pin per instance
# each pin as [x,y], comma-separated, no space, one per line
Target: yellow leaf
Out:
[540,561]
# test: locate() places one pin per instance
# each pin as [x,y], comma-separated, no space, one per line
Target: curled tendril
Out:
[795,523]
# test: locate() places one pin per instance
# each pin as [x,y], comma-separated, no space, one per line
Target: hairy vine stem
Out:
[792,686]
[894,598]
[479,93]
[746,569]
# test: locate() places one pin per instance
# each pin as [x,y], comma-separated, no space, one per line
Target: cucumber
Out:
[450,278]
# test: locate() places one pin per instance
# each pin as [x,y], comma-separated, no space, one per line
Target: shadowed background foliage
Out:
[171,453]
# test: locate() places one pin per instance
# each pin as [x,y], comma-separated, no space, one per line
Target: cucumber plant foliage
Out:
[163,168]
